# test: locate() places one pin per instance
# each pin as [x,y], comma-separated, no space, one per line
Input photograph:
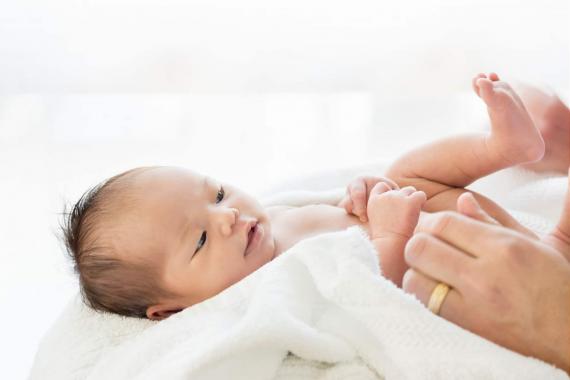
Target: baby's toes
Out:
[494,77]
[486,90]
[474,82]
[504,86]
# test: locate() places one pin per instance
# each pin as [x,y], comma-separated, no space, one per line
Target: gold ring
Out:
[437,297]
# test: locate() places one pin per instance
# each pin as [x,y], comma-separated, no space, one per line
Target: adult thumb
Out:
[468,206]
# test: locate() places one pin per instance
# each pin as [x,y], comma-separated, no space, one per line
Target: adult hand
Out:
[506,286]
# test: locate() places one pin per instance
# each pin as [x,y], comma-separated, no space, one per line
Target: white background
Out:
[251,92]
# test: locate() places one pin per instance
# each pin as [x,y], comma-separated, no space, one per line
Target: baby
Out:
[152,241]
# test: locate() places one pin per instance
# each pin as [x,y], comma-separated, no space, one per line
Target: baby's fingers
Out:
[419,196]
[346,203]
[379,188]
[358,193]
[408,190]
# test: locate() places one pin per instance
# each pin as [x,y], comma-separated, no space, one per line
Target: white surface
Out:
[323,301]
[283,45]
[251,95]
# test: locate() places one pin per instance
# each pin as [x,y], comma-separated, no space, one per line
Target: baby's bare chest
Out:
[304,222]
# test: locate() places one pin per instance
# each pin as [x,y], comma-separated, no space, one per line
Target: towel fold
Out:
[324,303]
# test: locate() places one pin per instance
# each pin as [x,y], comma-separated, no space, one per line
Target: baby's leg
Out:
[443,168]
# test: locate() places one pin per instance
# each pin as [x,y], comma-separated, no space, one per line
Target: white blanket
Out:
[322,301]
[320,311]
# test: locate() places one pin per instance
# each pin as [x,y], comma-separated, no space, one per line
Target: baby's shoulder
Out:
[286,211]
[297,209]
[278,212]
[279,209]
[310,214]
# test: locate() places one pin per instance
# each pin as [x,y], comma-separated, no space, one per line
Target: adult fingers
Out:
[468,235]
[559,238]
[468,205]
[422,286]
[438,259]
[564,223]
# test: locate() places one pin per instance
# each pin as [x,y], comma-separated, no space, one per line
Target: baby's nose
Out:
[229,219]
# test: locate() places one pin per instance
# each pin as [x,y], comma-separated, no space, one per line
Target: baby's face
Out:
[198,230]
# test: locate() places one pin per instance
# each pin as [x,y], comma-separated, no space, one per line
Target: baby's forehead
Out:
[169,176]
[169,195]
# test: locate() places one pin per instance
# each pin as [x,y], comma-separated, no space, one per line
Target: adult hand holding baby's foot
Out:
[357,193]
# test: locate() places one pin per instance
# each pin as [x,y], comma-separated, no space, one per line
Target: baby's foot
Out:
[393,216]
[514,138]
[552,118]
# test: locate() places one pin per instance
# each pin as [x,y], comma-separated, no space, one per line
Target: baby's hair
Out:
[107,282]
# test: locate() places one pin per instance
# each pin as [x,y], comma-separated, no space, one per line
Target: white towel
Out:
[322,301]
[82,339]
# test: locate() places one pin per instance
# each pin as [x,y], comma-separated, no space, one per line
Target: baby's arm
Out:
[393,216]
[353,198]
[299,198]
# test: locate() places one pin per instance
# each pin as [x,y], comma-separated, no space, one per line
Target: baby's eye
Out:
[220,195]
[201,242]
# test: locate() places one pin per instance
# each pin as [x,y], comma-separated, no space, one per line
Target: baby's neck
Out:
[277,218]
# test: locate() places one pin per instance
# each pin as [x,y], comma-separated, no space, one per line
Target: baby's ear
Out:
[160,312]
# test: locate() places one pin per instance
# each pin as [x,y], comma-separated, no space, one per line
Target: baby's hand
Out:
[358,191]
[394,212]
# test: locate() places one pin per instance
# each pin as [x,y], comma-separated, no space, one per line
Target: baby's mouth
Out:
[250,236]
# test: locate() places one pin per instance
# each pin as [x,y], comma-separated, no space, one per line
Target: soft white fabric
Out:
[82,340]
[322,301]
